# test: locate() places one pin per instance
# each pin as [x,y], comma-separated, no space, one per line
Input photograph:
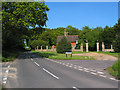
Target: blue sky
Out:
[80,14]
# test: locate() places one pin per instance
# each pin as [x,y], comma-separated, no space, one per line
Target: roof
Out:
[70,38]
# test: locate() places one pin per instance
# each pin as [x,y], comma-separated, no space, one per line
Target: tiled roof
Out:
[70,38]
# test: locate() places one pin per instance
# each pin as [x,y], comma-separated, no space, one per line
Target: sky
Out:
[80,14]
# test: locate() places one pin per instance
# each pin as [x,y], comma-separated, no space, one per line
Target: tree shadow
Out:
[29,55]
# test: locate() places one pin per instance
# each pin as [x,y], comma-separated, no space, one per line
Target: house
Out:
[73,39]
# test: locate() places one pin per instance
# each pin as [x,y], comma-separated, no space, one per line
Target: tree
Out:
[17,18]
[116,41]
[72,30]
[107,36]
[64,46]
[49,36]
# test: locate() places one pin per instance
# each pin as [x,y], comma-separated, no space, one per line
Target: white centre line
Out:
[50,73]
[37,64]
[31,59]
[75,88]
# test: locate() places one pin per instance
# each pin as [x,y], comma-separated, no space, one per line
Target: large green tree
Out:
[116,40]
[17,17]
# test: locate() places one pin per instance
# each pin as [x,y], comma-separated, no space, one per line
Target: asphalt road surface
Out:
[32,71]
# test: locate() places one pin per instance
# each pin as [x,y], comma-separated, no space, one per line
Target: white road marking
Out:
[93,73]
[4,82]
[7,71]
[5,78]
[112,78]
[9,66]
[100,72]
[102,75]
[86,71]
[86,68]
[70,66]
[93,70]
[31,59]
[80,69]
[50,73]
[37,64]
[75,88]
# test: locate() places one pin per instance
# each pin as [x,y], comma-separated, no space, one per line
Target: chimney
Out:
[65,33]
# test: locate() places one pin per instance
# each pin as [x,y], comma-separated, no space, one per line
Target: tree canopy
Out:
[17,18]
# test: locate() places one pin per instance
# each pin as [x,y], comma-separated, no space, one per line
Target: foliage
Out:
[63,46]
[115,70]
[34,43]
[49,36]
[17,18]
[72,31]
[116,41]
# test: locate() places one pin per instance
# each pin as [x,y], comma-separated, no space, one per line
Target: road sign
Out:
[68,53]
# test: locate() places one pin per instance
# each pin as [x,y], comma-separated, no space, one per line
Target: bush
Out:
[116,69]
[64,46]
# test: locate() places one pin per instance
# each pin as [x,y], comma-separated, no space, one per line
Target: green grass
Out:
[110,53]
[10,55]
[115,70]
[55,55]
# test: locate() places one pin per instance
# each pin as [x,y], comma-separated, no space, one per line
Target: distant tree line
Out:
[108,35]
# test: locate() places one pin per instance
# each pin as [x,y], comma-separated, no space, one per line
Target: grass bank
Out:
[55,55]
[10,55]
[115,70]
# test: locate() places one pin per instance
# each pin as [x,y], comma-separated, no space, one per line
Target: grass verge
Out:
[114,70]
[55,55]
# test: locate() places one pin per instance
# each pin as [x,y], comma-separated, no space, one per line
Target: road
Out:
[33,71]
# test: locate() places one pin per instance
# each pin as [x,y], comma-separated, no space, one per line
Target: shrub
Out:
[63,46]
[116,69]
